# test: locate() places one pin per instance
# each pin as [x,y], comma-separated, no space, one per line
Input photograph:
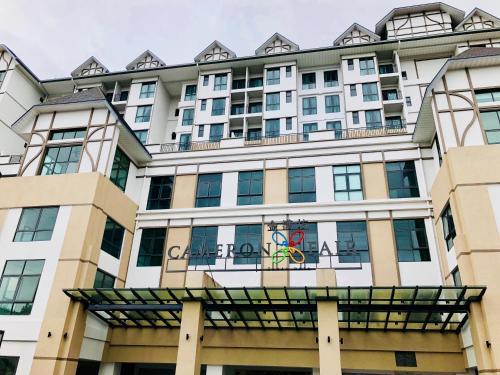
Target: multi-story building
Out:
[293,212]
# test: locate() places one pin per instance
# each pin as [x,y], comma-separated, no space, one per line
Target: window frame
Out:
[249,198]
[365,68]
[312,106]
[304,195]
[159,201]
[273,105]
[218,110]
[346,254]
[373,124]
[311,80]
[189,97]
[187,117]
[146,91]
[105,276]
[194,258]
[210,199]
[335,107]
[422,257]
[154,235]
[143,113]
[274,78]
[272,128]
[346,175]
[408,191]
[35,230]
[220,81]
[449,230]
[109,242]
[255,258]
[48,167]
[330,82]
[115,172]
[368,94]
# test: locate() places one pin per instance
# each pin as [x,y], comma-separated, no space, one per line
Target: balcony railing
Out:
[190,146]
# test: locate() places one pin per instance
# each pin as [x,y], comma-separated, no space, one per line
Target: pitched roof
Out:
[350,29]
[481,13]
[209,49]
[88,95]
[90,67]
[477,52]
[154,62]
[262,49]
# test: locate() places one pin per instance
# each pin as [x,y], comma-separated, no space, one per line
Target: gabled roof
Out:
[215,51]
[456,15]
[90,67]
[145,60]
[267,47]
[479,12]
[356,26]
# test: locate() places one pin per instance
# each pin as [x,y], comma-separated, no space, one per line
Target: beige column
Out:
[273,278]
[374,181]
[383,253]
[328,338]
[184,193]
[188,353]
[175,237]
[276,186]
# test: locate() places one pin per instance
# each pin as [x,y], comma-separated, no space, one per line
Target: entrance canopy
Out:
[443,309]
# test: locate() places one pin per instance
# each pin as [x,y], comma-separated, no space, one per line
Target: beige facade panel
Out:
[184,193]
[383,253]
[275,186]
[374,181]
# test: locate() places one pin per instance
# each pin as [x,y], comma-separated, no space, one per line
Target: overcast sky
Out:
[53,37]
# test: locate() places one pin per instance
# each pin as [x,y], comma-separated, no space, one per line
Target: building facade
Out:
[323,211]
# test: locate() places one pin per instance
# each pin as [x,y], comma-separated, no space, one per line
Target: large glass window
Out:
[347,183]
[103,280]
[247,244]
[366,66]
[254,134]
[491,126]
[448,227]
[216,132]
[190,93]
[332,103]
[18,286]
[142,135]
[309,106]
[411,240]
[394,122]
[331,78]
[402,179]
[273,101]
[185,142]
[220,82]
[373,119]
[250,187]
[485,96]
[255,107]
[309,245]
[151,247]
[147,90]
[36,224]
[352,242]
[238,84]
[256,82]
[119,171]
[272,128]
[61,160]
[68,134]
[309,128]
[273,76]
[160,192]
[238,109]
[208,190]
[143,113]
[301,185]
[8,365]
[308,81]
[370,92]
[188,116]
[203,246]
[113,238]
[218,106]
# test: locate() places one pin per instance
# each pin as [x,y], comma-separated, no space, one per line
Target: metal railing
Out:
[190,146]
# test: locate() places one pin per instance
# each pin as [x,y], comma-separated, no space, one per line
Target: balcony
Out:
[392,100]
[388,73]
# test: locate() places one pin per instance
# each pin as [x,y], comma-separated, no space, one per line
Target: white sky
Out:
[53,37]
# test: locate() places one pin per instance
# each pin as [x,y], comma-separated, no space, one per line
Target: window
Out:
[220,82]
[176,113]
[208,190]
[353,91]
[68,134]
[309,106]
[394,122]
[151,247]
[457,280]
[335,125]
[123,96]
[273,101]
[370,92]
[254,134]
[255,107]
[203,106]
[201,131]
[355,117]
[205,80]
[272,128]
[61,160]
[18,286]
[247,244]
[190,93]
[288,71]
[448,227]
[288,125]
[301,185]
[237,133]
[332,103]
[238,84]
[142,135]
[112,238]
[188,116]
[386,69]
[143,113]
[2,76]
[347,183]
[404,75]
[352,242]
[411,240]
[366,66]
[119,171]
[160,193]
[237,109]
[391,94]
[185,142]
[309,245]
[408,101]
[308,128]
[250,186]
[216,132]
[331,78]
[288,96]
[308,81]
[256,82]
[491,126]
[8,365]
[203,246]
[36,224]
[485,96]
[373,119]
[147,90]
[350,64]
[218,106]
[103,280]
[402,179]
[273,76]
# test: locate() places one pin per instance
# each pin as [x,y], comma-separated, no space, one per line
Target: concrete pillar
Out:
[328,338]
[110,368]
[383,253]
[188,353]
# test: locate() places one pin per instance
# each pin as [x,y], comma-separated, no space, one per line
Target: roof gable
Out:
[145,60]
[214,52]
[90,67]
[276,44]
[478,19]
[356,34]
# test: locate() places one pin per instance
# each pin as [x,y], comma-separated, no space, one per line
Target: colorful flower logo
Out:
[286,248]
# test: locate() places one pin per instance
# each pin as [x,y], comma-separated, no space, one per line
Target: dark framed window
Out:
[61,160]
[188,116]
[205,80]
[288,96]
[366,66]
[273,101]
[255,107]
[143,113]
[337,126]
[18,286]
[301,185]
[402,179]
[203,246]
[272,128]
[288,71]
[288,123]
[273,76]
[119,171]
[142,135]
[352,242]
[331,78]
[254,134]
[386,69]
[220,82]
[308,81]
[373,119]
[160,192]
[201,131]
[355,117]
[185,142]
[347,183]
[411,240]
[332,103]
[457,280]
[370,92]
[490,95]
[448,226]
[208,190]
[104,280]
[309,128]
[247,244]
[36,224]
[151,247]
[352,90]
[309,106]
[390,94]
[218,106]
[238,109]
[68,134]
[190,93]
[147,90]
[256,82]
[394,122]
[408,101]
[491,125]
[203,105]
[350,64]
[123,96]
[250,188]
[309,245]
[8,365]
[404,75]
[216,132]
[238,84]
[2,76]
[112,238]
